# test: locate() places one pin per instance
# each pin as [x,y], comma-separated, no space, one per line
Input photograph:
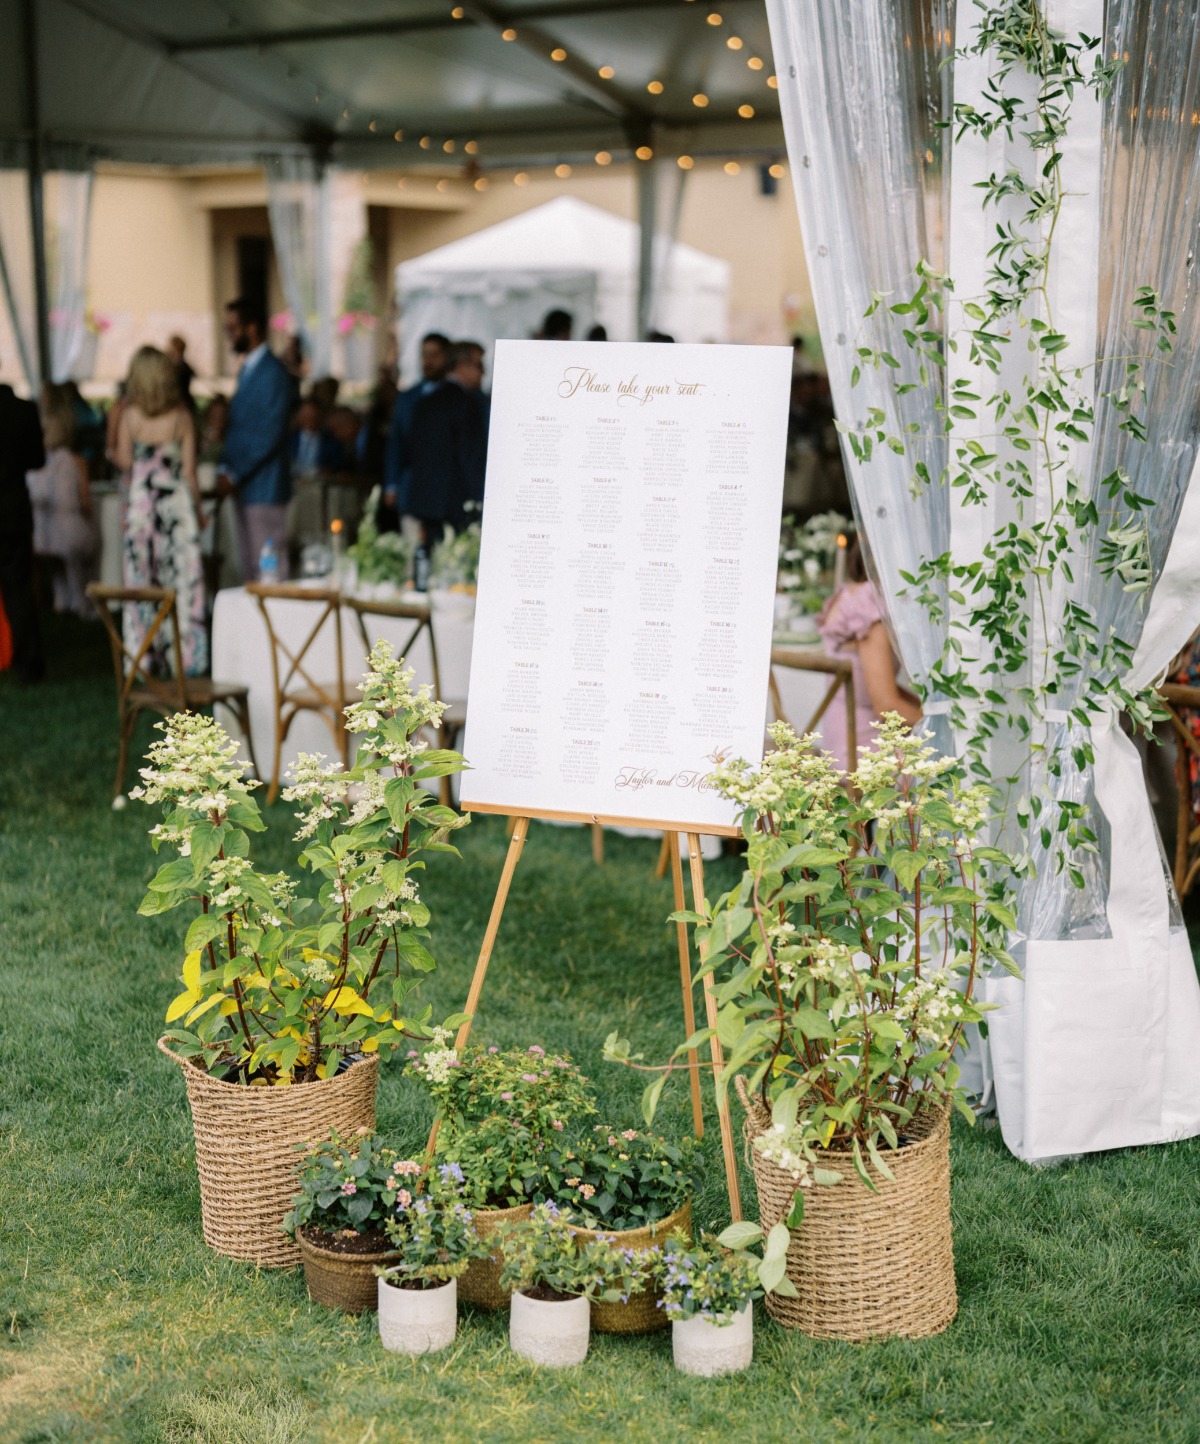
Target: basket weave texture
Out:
[480,1284]
[246,1141]
[342,1280]
[641,1315]
[865,1264]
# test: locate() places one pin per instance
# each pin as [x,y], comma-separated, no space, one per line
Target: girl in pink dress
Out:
[852,626]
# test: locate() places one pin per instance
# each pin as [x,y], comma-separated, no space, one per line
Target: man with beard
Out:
[255,460]
[397,470]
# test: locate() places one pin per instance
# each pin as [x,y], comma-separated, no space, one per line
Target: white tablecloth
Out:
[241,652]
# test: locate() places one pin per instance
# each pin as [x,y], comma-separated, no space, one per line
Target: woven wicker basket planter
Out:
[480,1284]
[866,1264]
[339,1280]
[246,1140]
[641,1315]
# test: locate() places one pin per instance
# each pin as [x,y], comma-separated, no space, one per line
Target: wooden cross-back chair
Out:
[138,690]
[1180,699]
[454,719]
[841,669]
[292,669]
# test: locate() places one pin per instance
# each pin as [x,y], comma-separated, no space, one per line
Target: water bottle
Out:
[421,565]
[268,562]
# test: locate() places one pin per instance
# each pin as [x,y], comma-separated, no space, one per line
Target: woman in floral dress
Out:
[156,445]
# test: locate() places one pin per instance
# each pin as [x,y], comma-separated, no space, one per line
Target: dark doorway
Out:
[252,259]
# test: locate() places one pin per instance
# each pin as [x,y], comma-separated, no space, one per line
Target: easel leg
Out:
[664,855]
[516,841]
[671,841]
[597,843]
[718,1053]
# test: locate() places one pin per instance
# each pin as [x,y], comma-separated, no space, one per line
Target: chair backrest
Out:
[130,666]
[842,672]
[419,613]
[289,663]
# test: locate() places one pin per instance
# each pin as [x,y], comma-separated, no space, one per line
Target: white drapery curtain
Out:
[68,205]
[16,270]
[1093,1048]
[298,199]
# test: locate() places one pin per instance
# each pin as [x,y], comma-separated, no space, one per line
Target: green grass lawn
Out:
[1079,1287]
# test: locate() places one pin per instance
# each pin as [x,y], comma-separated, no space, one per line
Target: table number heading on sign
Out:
[627,578]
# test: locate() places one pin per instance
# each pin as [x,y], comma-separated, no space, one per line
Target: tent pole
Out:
[36,171]
[647,178]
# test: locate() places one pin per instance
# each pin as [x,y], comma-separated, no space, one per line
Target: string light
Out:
[425,142]
[457,13]
[773,81]
[482,183]
[655,87]
[558,54]
[443,185]
[776,171]
[754,63]
[700,100]
[371,126]
[562,171]
[603,158]
[508,35]
[401,183]
[734,42]
[644,152]
[448,146]
[715,19]
[606,72]
[685,162]
[472,147]
[746,112]
[732,168]
[520,179]
[399,135]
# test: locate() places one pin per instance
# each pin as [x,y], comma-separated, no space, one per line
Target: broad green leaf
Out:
[650,1098]
[203,930]
[740,1235]
[907,866]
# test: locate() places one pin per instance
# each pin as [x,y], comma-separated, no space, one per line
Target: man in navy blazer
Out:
[256,458]
[397,468]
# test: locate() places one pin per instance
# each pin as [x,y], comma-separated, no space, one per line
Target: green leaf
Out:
[203,930]
[826,1177]
[861,1169]
[873,1150]
[796,1213]
[907,866]
[651,1096]
[813,1024]
[742,1234]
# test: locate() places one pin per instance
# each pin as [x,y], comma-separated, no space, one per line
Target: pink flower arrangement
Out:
[350,321]
[283,321]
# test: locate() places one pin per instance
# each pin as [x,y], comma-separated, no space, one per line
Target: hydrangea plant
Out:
[280,988]
[846,958]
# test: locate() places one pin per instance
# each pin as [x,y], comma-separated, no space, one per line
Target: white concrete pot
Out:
[552,1333]
[707,1349]
[417,1321]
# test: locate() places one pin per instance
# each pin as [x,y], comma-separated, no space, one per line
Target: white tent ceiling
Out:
[174,81]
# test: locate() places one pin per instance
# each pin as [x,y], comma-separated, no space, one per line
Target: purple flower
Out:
[529,1077]
[506,1097]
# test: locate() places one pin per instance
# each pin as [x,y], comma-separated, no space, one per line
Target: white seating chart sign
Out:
[627,579]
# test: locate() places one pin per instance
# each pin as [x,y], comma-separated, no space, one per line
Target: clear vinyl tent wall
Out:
[1092,1048]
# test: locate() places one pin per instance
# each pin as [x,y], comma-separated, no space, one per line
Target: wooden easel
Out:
[520,830]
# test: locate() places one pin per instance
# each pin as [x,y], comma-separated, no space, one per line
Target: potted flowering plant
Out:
[846,961]
[633,1187]
[553,1273]
[347,1190]
[501,1113]
[289,996]
[707,1291]
[434,1240]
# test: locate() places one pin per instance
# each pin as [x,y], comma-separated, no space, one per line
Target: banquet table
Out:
[241,652]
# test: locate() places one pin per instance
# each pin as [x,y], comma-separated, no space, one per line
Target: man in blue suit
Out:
[256,458]
[397,469]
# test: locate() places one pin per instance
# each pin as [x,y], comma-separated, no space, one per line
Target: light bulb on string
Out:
[603,158]
[734,42]
[746,112]
[558,54]
[606,72]
[685,162]
[562,171]
[732,168]
[655,87]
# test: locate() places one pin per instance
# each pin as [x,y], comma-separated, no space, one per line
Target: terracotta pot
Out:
[706,1349]
[417,1321]
[553,1333]
[340,1280]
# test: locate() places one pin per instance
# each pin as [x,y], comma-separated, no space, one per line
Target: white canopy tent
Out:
[500,282]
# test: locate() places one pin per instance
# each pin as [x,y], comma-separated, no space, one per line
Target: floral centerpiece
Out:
[808,561]
[382,559]
[454,566]
[435,1239]
[282,989]
[553,1272]
[347,1191]
[847,961]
